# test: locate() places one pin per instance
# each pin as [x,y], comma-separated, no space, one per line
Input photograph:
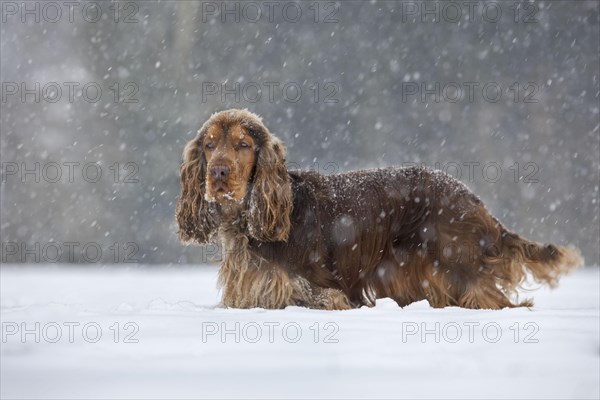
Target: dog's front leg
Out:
[313,296]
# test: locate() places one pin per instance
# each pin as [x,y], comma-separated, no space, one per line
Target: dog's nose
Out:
[219,172]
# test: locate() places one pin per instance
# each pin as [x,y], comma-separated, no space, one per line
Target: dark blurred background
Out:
[346,85]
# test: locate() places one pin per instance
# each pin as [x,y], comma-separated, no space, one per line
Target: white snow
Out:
[368,352]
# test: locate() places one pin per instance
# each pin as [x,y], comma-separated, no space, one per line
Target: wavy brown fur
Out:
[345,240]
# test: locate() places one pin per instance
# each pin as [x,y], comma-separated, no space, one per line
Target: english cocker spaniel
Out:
[344,240]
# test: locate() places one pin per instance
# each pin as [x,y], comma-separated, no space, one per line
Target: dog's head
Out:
[234,161]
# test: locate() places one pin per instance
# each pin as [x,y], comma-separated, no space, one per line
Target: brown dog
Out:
[345,240]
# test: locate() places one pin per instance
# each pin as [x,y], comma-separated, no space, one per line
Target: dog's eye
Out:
[244,145]
[209,146]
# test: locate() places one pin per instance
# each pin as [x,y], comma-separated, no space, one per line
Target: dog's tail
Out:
[519,256]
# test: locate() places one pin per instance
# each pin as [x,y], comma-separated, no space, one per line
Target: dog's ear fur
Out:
[270,202]
[196,224]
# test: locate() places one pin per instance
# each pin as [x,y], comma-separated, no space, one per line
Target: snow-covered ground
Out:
[151,333]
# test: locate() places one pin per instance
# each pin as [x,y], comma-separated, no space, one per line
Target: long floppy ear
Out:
[270,204]
[196,224]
